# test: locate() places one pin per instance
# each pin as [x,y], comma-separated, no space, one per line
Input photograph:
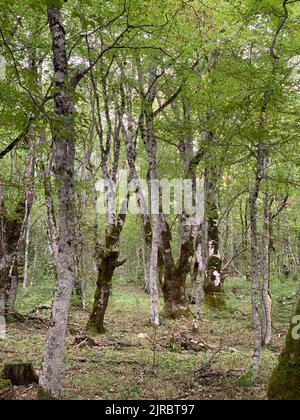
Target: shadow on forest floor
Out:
[132,362]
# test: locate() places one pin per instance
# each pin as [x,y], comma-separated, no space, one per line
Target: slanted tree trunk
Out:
[107,254]
[128,136]
[173,280]
[11,234]
[107,261]
[255,283]
[176,302]
[284,383]
[63,168]
[50,223]
[172,275]
[80,288]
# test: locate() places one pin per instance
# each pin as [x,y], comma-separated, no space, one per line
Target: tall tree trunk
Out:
[255,283]
[26,253]
[63,169]
[213,283]
[12,229]
[157,225]
[107,254]
[266,296]
[153,271]
[201,259]
[14,283]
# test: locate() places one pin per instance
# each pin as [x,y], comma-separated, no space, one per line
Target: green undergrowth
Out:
[131,361]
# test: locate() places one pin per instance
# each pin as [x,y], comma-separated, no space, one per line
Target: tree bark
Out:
[107,261]
[266,296]
[213,283]
[255,284]
[284,383]
[63,168]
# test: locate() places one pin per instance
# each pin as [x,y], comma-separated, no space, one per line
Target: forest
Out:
[149,175]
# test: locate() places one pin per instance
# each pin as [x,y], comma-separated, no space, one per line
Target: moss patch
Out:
[4,383]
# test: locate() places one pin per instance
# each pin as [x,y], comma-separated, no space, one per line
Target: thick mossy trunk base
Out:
[214,299]
[4,384]
[176,302]
[94,328]
[106,268]
[285,380]
[177,311]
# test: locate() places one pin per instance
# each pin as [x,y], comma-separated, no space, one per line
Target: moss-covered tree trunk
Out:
[174,275]
[176,304]
[107,261]
[63,156]
[10,231]
[106,269]
[285,380]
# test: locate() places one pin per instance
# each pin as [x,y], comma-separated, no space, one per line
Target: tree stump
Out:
[20,374]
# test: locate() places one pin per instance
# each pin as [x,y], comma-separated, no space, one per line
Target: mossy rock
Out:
[6,390]
[43,395]
[4,383]
[246,380]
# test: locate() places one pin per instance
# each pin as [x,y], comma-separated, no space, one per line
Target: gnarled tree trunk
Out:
[107,265]
[176,303]
[107,261]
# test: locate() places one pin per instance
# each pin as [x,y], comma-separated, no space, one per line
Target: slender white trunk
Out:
[146,264]
[200,256]
[266,297]
[26,256]
[154,295]
[255,283]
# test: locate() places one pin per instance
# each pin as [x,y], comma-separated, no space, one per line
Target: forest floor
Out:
[132,362]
